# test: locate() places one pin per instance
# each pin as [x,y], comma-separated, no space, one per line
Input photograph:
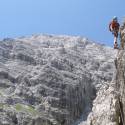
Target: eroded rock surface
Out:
[51,80]
[109,105]
[105,109]
[120,79]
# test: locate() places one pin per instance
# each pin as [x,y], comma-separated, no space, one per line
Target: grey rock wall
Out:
[120,82]
[109,105]
[120,76]
[50,80]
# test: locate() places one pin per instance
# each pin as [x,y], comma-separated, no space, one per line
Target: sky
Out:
[86,18]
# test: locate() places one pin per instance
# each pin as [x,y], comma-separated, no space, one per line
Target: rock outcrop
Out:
[105,109]
[109,105]
[51,80]
[120,77]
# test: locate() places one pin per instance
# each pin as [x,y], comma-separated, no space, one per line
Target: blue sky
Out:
[87,18]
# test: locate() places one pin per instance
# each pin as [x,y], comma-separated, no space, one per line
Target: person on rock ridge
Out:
[114,28]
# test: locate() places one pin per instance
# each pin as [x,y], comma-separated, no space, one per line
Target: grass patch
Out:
[18,107]
[1,94]
[1,105]
[4,106]
[21,108]
[31,110]
[25,108]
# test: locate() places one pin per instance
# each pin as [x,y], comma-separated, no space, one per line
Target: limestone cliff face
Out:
[51,80]
[105,109]
[120,85]
[120,78]
[109,105]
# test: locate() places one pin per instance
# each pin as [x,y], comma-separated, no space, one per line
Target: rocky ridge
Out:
[120,77]
[109,105]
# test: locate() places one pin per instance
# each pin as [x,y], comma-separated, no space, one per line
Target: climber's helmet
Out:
[115,18]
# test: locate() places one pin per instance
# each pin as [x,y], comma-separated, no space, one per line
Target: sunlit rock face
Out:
[109,104]
[120,76]
[105,109]
[51,80]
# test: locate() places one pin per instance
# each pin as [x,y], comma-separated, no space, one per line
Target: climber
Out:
[114,28]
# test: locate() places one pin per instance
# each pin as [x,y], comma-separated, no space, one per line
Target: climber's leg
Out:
[115,43]
[115,39]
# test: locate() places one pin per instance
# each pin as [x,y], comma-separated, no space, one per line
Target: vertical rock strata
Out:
[109,105]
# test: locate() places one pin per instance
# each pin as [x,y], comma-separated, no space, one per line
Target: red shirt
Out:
[114,25]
